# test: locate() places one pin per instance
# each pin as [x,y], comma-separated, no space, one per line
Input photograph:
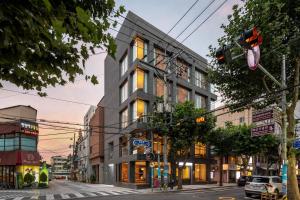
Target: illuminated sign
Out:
[30,128]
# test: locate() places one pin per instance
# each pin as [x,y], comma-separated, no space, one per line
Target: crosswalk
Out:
[69,195]
[206,190]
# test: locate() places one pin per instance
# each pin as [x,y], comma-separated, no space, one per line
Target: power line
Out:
[195,19]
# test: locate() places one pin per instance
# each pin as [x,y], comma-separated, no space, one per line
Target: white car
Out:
[260,184]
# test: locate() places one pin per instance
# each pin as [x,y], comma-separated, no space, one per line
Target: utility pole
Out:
[284,126]
[165,136]
[73,159]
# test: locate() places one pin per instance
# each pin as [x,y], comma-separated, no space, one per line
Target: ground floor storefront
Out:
[139,173]
[17,166]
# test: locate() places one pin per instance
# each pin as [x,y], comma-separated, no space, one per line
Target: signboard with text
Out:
[138,142]
[29,128]
[265,121]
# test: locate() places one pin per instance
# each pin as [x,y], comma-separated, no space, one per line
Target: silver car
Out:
[260,184]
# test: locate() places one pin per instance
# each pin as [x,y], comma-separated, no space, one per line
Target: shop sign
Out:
[266,121]
[29,128]
[137,142]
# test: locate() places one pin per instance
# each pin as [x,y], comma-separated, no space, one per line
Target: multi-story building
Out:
[131,87]
[96,143]
[18,144]
[60,167]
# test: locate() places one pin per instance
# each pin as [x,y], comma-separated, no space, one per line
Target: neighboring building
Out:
[60,167]
[96,148]
[131,87]
[82,158]
[18,144]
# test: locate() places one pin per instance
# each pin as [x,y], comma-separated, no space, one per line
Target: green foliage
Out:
[42,185]
[28,179]
[42,43]
[43,177]
[274,20]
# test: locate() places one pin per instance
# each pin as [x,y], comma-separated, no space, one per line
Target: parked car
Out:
[260,184]
[243,179]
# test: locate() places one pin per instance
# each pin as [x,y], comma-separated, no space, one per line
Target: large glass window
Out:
[157,144]
[140,172]
[124,92]
[139,109]
[124,172]
[200,150]
[139,49]
[1,142]
[200,80]
[200,172]
[124,64]
[182,95]
[28,143]
[124,118]
[159,57]
[159,87]
[139,80]
[200,101]
[184,70]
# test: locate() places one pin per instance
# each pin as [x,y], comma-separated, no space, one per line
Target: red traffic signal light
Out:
[250,38]
[223,55]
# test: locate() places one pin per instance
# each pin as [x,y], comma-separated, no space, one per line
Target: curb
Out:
[193,189]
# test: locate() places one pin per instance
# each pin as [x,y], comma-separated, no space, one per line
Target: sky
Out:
[162,14]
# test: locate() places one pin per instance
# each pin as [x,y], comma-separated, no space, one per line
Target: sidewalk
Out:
[193,187]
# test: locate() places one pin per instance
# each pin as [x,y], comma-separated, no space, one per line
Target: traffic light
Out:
[223,55]
[250,38]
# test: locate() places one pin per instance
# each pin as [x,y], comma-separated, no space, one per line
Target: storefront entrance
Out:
[7,177]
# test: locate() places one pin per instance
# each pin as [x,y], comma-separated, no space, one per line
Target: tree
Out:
[246,146]
[278,23]
[221,141]
[183,131]
[47,42]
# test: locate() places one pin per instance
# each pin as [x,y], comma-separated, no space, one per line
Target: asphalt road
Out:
[237,193]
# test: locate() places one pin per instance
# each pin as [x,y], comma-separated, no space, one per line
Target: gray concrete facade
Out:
[113,82]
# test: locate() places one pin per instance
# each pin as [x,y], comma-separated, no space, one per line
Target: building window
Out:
[139,109]
[124,172]
[157,144]
[158,87]
[124,118]
[124,92]
[140,172]
[200,101]
[182,95]
[159,59]
[184,70]
[139,80]
[242,120]
[124,64]
[139,49]
[110,150]
[200,80]
[200,150]
[200,172]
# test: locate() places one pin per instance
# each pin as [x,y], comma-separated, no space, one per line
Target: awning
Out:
[20,158]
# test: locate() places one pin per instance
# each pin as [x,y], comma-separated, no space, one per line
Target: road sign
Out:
[137,142]
[266,121]
[263,130]
[296,144]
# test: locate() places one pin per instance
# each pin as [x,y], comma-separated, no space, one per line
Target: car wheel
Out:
[248,195]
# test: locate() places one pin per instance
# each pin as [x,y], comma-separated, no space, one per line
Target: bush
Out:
[28,178]
[43,177]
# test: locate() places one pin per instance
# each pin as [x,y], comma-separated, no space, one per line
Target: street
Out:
[61,189]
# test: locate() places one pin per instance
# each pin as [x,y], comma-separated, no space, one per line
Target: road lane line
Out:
[78,194]
[90,194]
[65,196]
[102,193]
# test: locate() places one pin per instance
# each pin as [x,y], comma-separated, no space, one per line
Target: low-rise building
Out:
[60,167]
[18,145]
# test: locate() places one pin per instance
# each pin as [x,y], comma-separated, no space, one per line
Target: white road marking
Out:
[49,197]
[35,197]
[78,194]
[90,194]
[18,198]
[102,193]
[113,192]
[65,196]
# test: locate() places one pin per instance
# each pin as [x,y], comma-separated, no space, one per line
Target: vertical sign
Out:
[284,179]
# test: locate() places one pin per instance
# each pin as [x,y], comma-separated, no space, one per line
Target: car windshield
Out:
[260,180]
